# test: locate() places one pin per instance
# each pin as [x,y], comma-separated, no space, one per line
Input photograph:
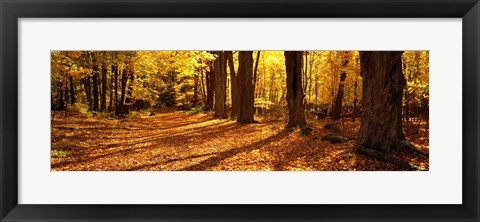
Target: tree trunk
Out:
[116,89]
[310,66]
[195,90]
[383,83]
[61,102]
[127,106]
[245,81]
[95,86]
[255,74]
[220,86]
[355,100]
[234,84]
[123,86]
[110,105]
[337,109]
[88,91]
[103,101]
[210,79]
[72,91]
[295,95]
[202,87]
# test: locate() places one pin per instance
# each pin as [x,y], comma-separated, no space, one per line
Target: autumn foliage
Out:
[242,111]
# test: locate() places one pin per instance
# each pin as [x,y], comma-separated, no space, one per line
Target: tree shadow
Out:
[215,160]
[79,156]
[145,166]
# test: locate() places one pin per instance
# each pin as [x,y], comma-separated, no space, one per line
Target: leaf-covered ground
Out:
[179,141]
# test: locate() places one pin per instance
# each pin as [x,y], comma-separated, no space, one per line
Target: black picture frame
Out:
[11,11]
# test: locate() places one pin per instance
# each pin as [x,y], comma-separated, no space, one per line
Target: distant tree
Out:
[337,109]
[233,84]
[103,101]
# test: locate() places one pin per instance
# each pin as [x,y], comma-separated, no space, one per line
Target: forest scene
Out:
[239,111]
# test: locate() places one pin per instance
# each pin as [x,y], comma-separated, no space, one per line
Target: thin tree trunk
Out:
[204,93]
[103,101]
[72,91]
[234,84]
[67,94]
[95,86]
[355,100]
[195,90]
[255,73]
[316,91]
[88,92]
[110,105]
[123,86]
[337,110]
[210,78]
[310,78]
[116,89]
[129,99]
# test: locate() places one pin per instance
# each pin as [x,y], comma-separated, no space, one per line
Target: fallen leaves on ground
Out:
[173,141]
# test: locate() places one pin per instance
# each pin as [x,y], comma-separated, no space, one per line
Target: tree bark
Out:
[255,74]
[123,86]
[220,85]
[210,79]
[116,88]
[337,109]
[383,83]
[127,106]
[88,91]
[245,83]
[202,87]
[72,91]
[295,95]
[195,90]
[110,105]
[103,101]
[234,84]
[355,100]
[95,86]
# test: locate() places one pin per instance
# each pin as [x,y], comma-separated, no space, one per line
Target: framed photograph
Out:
[227,110]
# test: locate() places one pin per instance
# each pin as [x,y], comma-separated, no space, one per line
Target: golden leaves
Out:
[173,141]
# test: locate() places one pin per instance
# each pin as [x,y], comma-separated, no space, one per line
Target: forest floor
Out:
[175,141]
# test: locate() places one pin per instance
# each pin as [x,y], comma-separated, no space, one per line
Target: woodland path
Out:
[173,141]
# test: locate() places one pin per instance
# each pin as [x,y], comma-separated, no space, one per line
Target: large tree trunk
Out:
[234,84]
[245,83]
[295,95]
[220,86]
[383,83]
